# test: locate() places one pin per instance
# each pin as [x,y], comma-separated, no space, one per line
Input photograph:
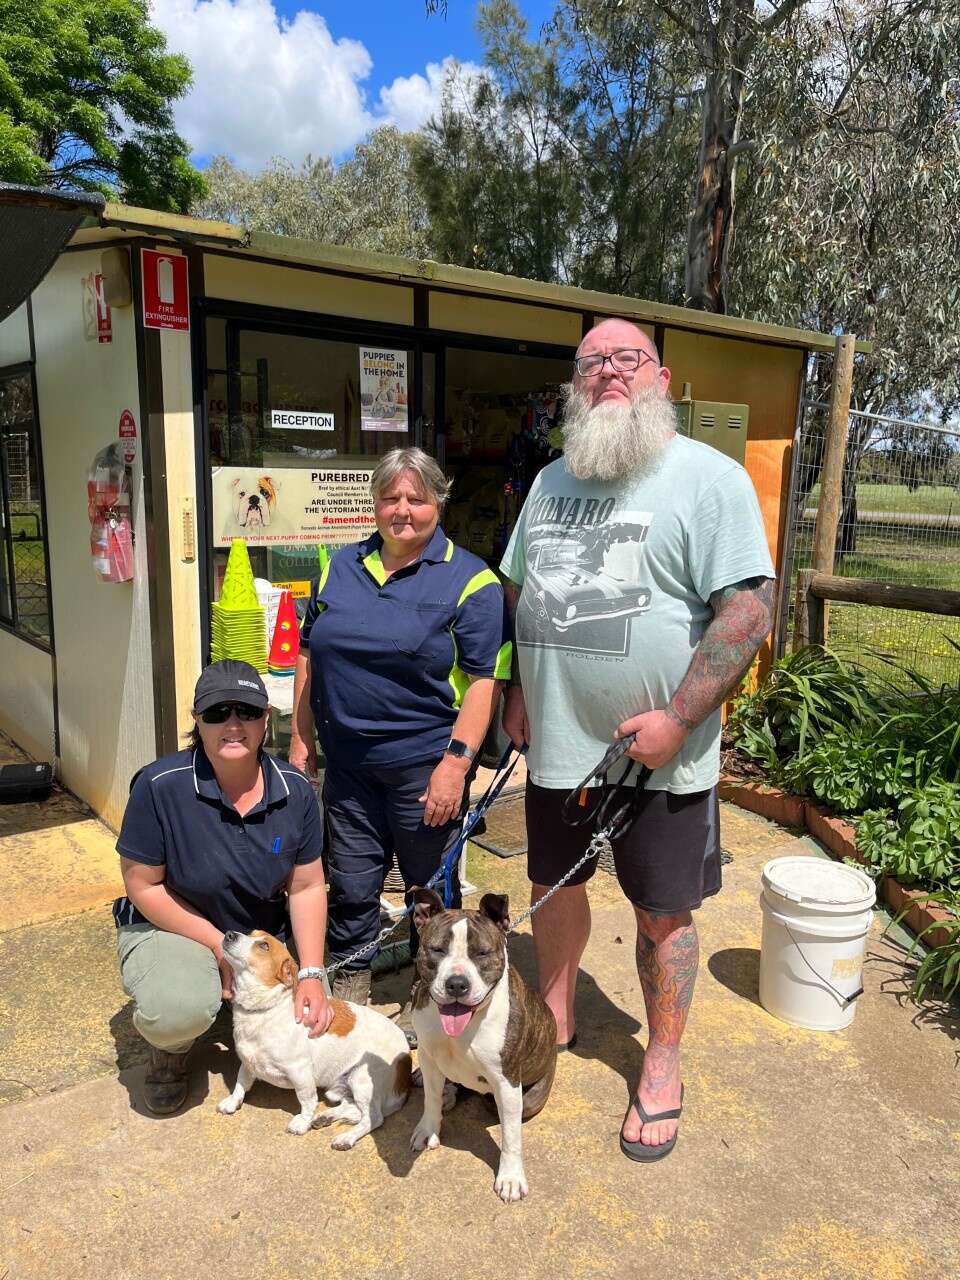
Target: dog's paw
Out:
[228,1106]
[322,1119]
[449,1096]
[511,1184]
[343,1142]
[300,1125]
[424,1138]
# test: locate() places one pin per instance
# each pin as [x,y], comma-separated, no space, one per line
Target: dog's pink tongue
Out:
[454,1018]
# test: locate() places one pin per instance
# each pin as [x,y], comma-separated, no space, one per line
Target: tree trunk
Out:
[710,227]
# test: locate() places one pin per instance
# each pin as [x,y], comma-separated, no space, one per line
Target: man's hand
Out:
[303,755]
[515,723]
[658,737]
[444,794]
[311,1007]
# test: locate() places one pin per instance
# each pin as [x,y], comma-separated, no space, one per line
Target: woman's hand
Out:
[515,723]
[303,755]
[311,1006]
[444,794]
[226,972]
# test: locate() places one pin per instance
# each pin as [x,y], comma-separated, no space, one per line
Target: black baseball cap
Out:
[229,681]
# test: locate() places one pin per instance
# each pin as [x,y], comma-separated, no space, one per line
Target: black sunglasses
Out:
[222,712]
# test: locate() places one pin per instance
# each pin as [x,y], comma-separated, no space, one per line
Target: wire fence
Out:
[899,522]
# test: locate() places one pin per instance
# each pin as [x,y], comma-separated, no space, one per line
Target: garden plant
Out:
[885,752]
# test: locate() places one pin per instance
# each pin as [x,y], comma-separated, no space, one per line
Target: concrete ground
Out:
[802,1155]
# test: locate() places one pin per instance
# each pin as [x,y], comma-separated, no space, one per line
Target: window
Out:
[24,592]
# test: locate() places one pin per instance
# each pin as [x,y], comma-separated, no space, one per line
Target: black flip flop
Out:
[644,1153]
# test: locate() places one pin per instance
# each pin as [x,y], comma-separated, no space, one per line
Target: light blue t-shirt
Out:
[616,580]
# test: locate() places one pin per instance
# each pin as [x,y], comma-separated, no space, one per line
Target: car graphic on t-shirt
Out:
[567,584]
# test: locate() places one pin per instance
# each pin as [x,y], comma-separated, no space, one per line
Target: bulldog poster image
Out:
[383,390]
[295,507]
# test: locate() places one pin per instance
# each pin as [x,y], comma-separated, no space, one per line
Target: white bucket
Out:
[816,916]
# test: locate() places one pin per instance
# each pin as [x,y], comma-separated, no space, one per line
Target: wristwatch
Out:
[459,749]
[311,971]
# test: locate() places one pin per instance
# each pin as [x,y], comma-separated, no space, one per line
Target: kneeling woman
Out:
[219,836]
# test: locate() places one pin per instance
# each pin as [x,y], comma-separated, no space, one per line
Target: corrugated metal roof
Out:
[226,236]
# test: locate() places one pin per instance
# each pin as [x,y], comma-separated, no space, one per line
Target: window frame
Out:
[12,625]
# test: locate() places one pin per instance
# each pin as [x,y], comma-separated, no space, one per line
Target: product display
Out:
[496,445]
[237,619]
[286,639]
[108,506]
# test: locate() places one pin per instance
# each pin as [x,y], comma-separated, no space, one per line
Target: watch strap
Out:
[309,971]
[458,748]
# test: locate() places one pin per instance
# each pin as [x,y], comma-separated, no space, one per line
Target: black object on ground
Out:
[22,782]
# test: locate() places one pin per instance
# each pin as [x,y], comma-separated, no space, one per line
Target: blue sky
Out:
[277,78]
[401,39]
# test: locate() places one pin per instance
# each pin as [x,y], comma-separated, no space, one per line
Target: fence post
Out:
[831,471]
[801,614]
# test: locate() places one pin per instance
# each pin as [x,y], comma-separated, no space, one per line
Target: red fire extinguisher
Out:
[108,506]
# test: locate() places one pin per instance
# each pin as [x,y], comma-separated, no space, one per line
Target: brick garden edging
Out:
[839,836]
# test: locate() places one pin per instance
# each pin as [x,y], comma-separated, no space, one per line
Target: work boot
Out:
[166,1083]
[352,985]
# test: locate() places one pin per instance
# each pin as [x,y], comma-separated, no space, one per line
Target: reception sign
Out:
[295,507]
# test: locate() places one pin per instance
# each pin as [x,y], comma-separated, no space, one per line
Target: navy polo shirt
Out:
[233,870]
[391,657]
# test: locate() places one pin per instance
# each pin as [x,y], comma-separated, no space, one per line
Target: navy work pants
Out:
[371,814]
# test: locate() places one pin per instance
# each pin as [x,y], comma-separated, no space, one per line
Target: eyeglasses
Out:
[624,361]
[221,713]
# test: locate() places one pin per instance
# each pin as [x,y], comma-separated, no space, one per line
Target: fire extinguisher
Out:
[108,506]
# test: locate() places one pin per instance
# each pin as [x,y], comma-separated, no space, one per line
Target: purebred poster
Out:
[273,506]
[383,390]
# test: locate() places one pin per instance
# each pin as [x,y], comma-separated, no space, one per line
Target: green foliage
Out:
[853,769]
[370,201]
[86,93]
[940,967]
[806,695]
[921,842]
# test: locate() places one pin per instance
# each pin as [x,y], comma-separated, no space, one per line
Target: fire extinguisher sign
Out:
[166,293]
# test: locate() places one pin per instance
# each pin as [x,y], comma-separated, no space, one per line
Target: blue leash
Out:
[448,867]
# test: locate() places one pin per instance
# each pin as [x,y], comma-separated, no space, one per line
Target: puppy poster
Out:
[291,507]
[383,390]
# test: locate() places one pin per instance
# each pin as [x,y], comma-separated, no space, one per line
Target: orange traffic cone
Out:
[286,639]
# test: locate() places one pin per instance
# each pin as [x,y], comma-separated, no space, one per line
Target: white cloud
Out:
[410,100]
[264,85]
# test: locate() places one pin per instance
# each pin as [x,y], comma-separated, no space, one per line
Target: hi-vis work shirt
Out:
[390,656]
[617,579]
[233,870]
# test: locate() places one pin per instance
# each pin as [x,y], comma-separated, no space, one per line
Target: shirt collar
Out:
[206,784]
[438,549]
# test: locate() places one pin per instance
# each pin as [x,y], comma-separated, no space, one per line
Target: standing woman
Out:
[219,836]
[403,644]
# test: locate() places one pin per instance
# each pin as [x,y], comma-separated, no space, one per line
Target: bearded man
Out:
[642,588]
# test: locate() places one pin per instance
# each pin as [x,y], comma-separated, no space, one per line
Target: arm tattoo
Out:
[742,617]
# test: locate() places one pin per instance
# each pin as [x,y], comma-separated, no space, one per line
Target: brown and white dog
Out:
[362,1062]
[480,1025]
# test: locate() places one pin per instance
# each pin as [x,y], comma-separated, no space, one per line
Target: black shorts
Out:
[667,862]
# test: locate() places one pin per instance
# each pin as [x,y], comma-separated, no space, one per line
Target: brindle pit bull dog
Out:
[480,1025]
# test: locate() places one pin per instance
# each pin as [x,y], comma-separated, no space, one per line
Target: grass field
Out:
[938,500]
[921,557]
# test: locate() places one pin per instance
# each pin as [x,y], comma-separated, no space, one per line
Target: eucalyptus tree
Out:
[369,201]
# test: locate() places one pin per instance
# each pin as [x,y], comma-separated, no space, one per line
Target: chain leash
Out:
[598,846]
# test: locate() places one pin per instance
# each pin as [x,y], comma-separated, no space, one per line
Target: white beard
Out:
[614,441]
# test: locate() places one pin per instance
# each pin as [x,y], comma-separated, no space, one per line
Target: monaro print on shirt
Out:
[584,575]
